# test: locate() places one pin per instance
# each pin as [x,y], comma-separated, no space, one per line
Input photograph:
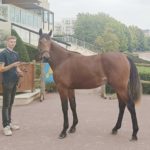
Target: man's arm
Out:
[5,68]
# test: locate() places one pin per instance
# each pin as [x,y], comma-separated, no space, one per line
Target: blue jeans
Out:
[9,92]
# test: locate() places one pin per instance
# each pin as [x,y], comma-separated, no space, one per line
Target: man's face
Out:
[11,43]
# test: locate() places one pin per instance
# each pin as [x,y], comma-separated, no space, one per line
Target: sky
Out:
[129,12]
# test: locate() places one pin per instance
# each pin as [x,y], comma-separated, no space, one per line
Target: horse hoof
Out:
[114,132]
[62,135]
[134,138]
[72,130]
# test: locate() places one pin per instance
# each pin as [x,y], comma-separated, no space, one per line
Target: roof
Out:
[20,1]
[26,4]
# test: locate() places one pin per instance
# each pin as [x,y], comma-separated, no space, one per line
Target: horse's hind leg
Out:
[131,108]
[122,106]
[72,101]
[64,102]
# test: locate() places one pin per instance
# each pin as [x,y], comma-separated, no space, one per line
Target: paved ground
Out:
[41,124]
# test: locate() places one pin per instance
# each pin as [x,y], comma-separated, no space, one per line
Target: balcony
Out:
[20,16]
[26,17]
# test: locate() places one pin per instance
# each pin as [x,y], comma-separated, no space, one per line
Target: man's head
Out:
[11,42]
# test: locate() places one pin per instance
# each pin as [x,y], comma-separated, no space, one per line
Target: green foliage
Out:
[51,87]
[88,27]
[32,51]
[109,34]
[109,89]
[20,47]
[37,70]
[146,88]
[108,41]
[147,43]
[144,73]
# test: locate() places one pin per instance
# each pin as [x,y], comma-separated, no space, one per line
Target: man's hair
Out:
[11,37]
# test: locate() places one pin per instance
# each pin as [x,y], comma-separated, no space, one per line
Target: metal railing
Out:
[77,42]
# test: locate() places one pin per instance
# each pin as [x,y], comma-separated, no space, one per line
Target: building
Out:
[65,27]
[146,33]
[27,17]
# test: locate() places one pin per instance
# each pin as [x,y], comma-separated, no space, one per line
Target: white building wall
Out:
[44,3]
[65,27]
[68,26]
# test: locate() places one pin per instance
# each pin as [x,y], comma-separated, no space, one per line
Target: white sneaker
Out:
[7,131]
[14,126]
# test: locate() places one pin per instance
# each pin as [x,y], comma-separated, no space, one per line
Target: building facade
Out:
[65,27]
[27,17]
[146,33]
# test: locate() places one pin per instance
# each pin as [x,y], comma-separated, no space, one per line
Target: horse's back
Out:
[79,71]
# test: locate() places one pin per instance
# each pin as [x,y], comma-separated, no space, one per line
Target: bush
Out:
[20,47]
[32,51]
[146,88]
[51,87]
[144,73]
[109,89]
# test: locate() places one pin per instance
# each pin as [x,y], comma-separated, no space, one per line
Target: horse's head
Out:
[44,45]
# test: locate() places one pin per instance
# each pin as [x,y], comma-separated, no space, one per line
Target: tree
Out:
[99,42]
[93,29]
[137,38]
[88,27]
[111,41]
[147,43]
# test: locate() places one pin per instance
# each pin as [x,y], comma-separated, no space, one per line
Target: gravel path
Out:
[41,123]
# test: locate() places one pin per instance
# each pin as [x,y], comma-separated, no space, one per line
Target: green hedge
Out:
[20,47]
[144,73]
[51,87]
[146,88]
[32,51]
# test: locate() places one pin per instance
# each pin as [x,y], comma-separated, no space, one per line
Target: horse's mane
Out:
[64,49]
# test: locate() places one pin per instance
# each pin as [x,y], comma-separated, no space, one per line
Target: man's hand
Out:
[20,73]
[16,64]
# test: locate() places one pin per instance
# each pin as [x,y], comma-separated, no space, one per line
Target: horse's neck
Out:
[58,55]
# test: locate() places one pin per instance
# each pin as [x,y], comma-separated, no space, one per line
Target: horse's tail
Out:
[134,84]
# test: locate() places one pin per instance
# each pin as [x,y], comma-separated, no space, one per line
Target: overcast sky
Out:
[129,12]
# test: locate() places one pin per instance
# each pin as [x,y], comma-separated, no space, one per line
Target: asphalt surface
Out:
[41,123]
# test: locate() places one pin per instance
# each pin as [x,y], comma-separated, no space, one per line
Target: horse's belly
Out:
[88,84]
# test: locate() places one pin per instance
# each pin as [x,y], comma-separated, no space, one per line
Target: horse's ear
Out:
[40,32]
[50,33]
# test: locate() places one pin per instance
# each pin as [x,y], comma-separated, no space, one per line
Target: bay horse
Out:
[73,70]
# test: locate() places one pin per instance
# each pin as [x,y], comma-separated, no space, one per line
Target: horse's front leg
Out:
[72,101]
[64,103]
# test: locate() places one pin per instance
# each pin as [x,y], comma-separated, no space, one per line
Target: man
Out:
[10,75]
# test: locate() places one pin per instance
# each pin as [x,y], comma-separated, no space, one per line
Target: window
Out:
[45,16]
